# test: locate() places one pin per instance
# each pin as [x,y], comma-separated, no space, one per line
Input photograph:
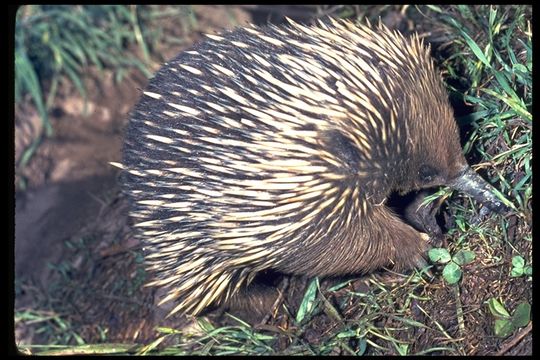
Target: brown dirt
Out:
[72,196]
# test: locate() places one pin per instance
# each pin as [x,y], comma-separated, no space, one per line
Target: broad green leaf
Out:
[516,272]
[439,255]
[463,257]
[522,315]
[452,273]
[518,261]
[308,303]
[503,328]
[497,309]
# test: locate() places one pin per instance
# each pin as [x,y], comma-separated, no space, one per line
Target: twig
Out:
[459,311]
[131,244]
[279,300]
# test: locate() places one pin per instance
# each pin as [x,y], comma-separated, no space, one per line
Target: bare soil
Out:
[73,196]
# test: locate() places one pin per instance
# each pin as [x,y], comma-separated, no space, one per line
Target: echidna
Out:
[277,147]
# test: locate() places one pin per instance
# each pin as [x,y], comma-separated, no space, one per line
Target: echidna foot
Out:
[422,217]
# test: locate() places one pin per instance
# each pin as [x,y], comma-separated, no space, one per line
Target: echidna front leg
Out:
[378,239]
[399,245]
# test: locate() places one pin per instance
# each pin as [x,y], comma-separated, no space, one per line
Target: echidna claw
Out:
[436,240]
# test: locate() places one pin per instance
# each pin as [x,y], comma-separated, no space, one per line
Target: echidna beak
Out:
[472,184]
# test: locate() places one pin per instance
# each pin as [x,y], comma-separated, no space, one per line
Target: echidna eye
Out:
[343,148]
[426,173]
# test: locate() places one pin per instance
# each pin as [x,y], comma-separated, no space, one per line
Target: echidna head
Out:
[435,155]
[438,160]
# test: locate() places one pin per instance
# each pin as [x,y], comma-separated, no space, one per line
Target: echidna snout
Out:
[470,183]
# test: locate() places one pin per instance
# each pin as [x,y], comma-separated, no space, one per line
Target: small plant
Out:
[57,42]
[452,271]
[519,268]
[308,304]
[506,324]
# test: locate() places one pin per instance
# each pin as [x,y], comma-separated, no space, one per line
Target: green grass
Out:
[49,322]
[499,71]
[56,44]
